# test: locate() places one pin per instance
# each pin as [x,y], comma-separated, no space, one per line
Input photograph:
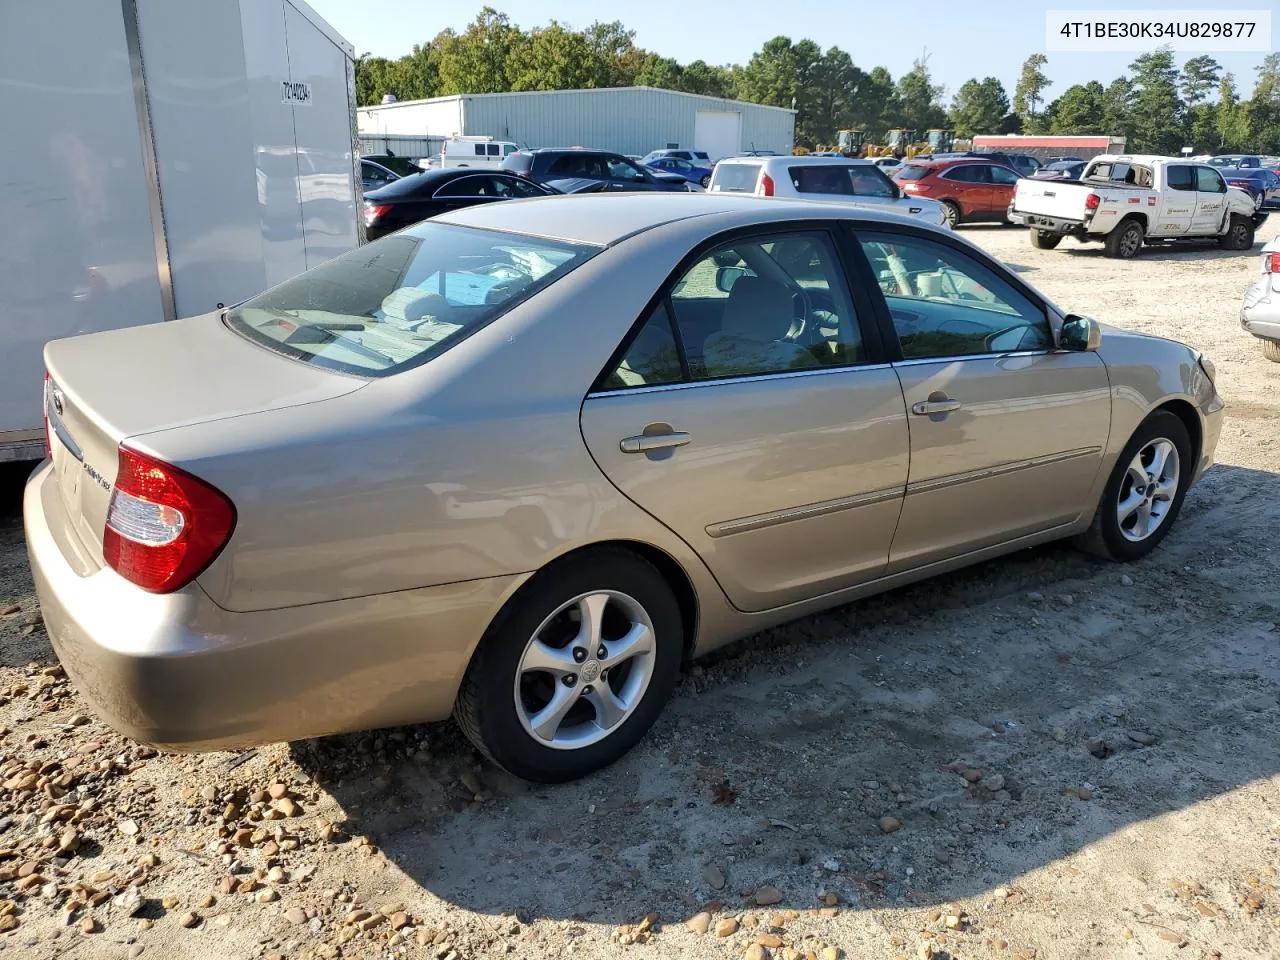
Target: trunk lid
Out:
[1051,198]
[106,387]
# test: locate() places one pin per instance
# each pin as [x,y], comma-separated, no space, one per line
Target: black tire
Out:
[705,182]
[1044,239]
[953,213]
[1239,235]
[1125,241]
[1104,537]
[486,708]
[1271,350]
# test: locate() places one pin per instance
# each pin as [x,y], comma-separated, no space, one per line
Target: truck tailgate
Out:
[1061,199]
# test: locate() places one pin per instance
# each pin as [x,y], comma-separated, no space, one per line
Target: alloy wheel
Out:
[1130,242]
[1148,490]
[585,670]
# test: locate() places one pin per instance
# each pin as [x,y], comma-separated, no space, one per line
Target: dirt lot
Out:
[1084,761]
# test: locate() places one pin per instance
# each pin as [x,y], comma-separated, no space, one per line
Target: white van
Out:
[475,152]
[859,183]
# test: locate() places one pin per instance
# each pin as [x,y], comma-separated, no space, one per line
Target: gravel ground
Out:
[1041,757]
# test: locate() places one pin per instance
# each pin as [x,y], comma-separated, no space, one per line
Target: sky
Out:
[962,40]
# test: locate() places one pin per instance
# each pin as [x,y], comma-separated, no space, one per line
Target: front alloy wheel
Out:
[575,668]
[1147,491]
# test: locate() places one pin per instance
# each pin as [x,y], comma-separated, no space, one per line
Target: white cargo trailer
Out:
[164,157]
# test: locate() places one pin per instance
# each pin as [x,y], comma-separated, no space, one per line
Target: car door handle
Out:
[927,408]
[647,442]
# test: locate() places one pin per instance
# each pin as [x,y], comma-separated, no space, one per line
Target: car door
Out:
[1007,433]
[1176,203]
[1211,201]
[1003,183]
[969,185]
[469,191]
[748,414]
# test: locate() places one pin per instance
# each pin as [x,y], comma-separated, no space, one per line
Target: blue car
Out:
[693,172]
[1263,184]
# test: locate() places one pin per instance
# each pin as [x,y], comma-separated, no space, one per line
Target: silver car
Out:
[518,462]
[1260,314]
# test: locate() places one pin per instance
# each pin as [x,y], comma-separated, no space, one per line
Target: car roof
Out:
[603,219]
[805,161]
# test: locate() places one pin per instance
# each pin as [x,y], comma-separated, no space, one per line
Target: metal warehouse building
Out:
[631,120]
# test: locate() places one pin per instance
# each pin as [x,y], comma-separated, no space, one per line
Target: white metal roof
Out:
[592,90]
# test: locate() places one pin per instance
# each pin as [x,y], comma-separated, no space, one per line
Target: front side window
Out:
[391,305]
[766,305]
[946,304]
[1209,181]
[468,187]
[621,169]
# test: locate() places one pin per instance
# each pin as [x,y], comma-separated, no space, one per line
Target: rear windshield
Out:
[911,171]
[735,177]
[853,180]
[391,305]
[1119,172]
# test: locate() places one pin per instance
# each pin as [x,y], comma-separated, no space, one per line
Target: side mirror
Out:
[726,277]
[1080,333]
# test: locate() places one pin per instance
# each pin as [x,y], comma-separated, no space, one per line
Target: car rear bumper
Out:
[1260,314]
[178,671]
[1046,223]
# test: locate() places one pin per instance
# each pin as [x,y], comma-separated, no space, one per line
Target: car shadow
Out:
[1189,251]
[1005,717]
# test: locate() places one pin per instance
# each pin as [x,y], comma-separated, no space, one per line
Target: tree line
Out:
[1156,105]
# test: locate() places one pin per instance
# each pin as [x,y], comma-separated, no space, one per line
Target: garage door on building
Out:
[718,132]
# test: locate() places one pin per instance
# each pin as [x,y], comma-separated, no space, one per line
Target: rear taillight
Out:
[1238,183]
[1092,201]
[164,526]
[1271,263]
[766,185]
[373,212]
[48,440]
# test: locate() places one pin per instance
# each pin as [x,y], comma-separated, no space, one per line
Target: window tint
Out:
[1002,175]
[968,173]
[387,306]
[508,149]
[1180,178]
[494,149]
[621,169]
[735,177]
[946,304]
[468,187]
[1209,181]
[652,358]
[479,149]
[851,180]
[911,171]
[766,305]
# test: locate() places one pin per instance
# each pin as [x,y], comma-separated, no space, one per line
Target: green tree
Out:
[771,75]
[553,58]
[1199,77]
[873,107]
[1233,116]
[1032,83]
[1264,106]
[614,58]
[917,99]
[656,71]
[701,77]
[1117,109]
[979,106]
[1080,109]
[478,59]
[1158,112]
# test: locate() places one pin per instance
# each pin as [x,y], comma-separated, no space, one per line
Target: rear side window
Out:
[1209,180]
[479,149]
[1180,178]
[911,171]
[852,181]
[391,305]
[735,177]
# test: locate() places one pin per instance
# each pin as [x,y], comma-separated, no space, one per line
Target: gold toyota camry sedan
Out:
[518,462]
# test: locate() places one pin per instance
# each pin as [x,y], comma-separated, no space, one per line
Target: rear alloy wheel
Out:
[1044,239]
[951,210]
[705,182]
[1125,240]
[1239,235]
[1271,350]
[1145,491]
[575,669]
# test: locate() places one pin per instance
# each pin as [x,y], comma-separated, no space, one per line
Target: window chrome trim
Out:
[917,361]
[775,517]
[999,470]
[747,378]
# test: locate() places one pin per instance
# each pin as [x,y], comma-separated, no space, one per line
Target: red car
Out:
[968,188]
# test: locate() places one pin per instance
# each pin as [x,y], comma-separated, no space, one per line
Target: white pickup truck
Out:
[1126,201]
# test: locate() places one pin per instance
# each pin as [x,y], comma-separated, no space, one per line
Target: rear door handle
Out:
[647,442]
[926,408]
